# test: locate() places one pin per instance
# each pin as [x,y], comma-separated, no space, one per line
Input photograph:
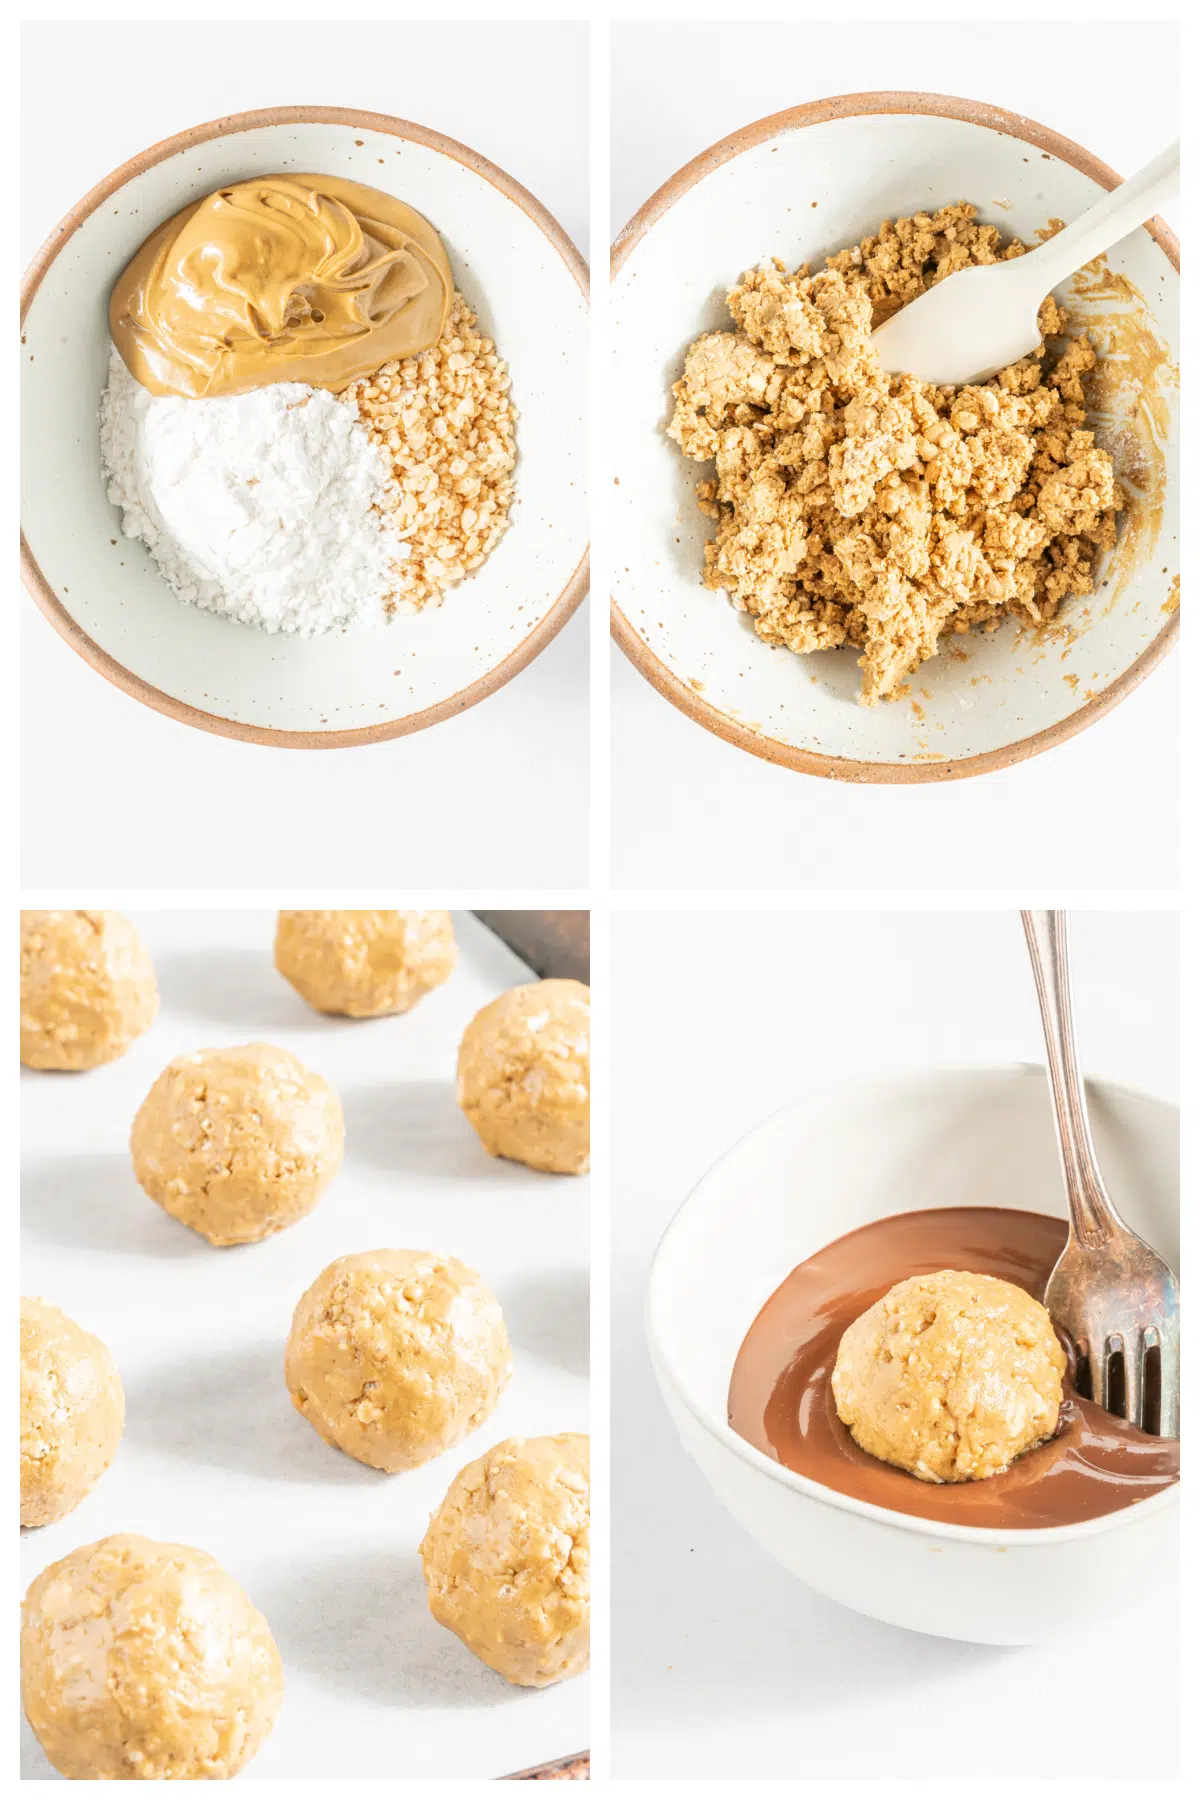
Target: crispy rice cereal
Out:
[858,507]
[447,424]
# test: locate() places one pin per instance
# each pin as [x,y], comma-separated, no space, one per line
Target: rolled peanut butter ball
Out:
[143,1661]
[950,1376]
[364,964]
[507,1558]
[397,1355]
[524,1076]
[237,1144]
[87,988]
[72,1412]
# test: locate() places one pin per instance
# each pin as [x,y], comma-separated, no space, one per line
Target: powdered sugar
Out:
[258,506]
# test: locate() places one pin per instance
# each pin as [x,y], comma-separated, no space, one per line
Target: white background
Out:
[723,1664]
[112,792]
[213,1453]
[1107,800]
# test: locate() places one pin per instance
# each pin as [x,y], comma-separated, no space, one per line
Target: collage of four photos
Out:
[679,515]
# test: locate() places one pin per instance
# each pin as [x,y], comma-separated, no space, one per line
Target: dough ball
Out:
[72,1412]
[146,1662]
[87,988]
[237,1143]
[950,1376]
[524,1075]
[396,1355]
[364,963]
[507,1558]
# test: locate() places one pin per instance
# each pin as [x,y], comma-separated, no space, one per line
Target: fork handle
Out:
[1092,1217]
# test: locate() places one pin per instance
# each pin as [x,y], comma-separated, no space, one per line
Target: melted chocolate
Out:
[780,1398]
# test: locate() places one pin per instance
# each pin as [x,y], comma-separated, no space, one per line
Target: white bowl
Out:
[798,186]
[102,591]
[819,1169]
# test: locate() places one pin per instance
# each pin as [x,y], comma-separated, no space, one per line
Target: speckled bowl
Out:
[801,185]
[102,591]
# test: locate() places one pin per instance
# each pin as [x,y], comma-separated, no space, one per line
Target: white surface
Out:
[1047,820]
[213,1453]
[808,1176]
[386,810]
[721,1665]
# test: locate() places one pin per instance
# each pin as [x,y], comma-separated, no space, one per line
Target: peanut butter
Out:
[283,278]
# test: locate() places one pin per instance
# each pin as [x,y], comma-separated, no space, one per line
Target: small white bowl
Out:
[819,1169]
[102,591]
[800,185]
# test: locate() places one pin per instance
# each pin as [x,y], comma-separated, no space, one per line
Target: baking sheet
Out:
[213,1453]
[553,943]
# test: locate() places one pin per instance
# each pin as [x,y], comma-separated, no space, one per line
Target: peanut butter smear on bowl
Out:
[305,278]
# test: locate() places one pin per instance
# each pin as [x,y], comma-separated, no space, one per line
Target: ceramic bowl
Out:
[819,1169]
[799,186]
[101,590]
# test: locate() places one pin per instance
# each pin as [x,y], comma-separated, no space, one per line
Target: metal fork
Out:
[1111,1292]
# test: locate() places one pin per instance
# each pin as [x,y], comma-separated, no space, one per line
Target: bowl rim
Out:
[723,1435]
[107,665]
[672,686]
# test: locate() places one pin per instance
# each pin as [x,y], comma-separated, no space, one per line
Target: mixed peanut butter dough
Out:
[397,1355]
[507,1558]
[857,507]
[951,1376]
[143,1661]
[72,1412]
[524,1076]
[87,988]
[237,1144]
[364,964]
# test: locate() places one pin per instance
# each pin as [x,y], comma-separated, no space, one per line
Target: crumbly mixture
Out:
[858,507]
[447,425]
